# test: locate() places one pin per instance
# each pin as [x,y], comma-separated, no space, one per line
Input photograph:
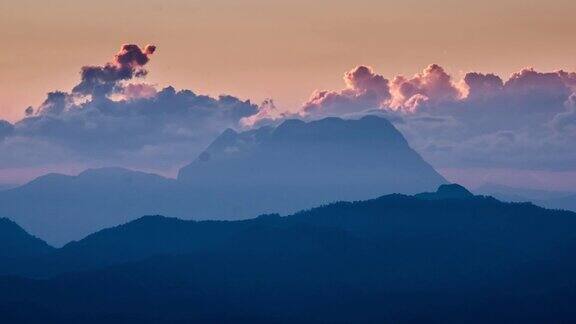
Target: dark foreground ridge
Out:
[443,257]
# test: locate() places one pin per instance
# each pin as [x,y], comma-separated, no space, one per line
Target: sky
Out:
[412,61]
[278,49]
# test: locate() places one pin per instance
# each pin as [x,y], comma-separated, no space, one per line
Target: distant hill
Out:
[567,202]
[61,208]
[281,169]
[16,244]
[447,191]
[443,257]
[549,199]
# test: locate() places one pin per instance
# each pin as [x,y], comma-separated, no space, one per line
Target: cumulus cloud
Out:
[56,103]
[483,86]
[109,130]
[107,121]
[134,91]
[536,90]
[565,123]
[525,121]
[364,90]
[103,80]
[483,121]
[433,85]
[268,114]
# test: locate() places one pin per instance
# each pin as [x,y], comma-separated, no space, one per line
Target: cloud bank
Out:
[113,118]
[526,122]
[107,119]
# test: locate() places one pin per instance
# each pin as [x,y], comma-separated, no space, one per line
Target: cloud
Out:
[526,121]
[268,114]
[135,91]
[103,80]
[530,89]
[106,121]
[364,90]
[56,103]
[483,86]
[433,85]
[483,121]
[565,123]
[114,130]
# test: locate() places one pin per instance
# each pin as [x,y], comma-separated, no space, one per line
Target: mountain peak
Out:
[447,191]
[15,242]
[320,161]
[454,190]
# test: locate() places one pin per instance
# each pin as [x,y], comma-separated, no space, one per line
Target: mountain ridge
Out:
[395,258]
[281,169]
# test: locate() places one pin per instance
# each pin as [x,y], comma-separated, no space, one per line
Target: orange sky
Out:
[282,49]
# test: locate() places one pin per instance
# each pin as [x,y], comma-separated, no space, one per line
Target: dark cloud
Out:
[29,111]
[56,103]
[103,80]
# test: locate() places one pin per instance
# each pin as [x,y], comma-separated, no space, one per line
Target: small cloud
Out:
[103,80]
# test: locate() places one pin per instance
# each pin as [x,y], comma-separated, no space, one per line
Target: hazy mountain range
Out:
[448,257]
[550,199]
[280,169]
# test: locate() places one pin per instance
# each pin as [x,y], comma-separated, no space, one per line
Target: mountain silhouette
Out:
[60,208]
[343,159]
[397,258]
[447,191]
[16,244]
[281,169]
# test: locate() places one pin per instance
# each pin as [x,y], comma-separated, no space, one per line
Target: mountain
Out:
[16,244]
[61,208]
[301,164]
[450,258]
[350,158]
[281,169]
[447,191]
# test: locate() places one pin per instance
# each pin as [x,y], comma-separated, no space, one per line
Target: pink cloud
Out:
[481,85]
[364,90]
[139,91]
[432,85]
[530,82]
[267,112]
